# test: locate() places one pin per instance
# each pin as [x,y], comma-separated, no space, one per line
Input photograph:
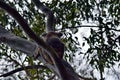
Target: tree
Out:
[102,42]
[58,65]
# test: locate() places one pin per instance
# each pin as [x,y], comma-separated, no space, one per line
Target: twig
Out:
[81,26]
[22,68]
[90,27]
[51,77]
[84,78]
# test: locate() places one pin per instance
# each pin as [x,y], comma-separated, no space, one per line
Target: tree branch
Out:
[49,14]
[17,43]
[23,68]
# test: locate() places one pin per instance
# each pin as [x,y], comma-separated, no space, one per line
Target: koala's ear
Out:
[43,34]
[59,34]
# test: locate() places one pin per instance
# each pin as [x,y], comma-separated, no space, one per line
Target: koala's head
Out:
[52,34]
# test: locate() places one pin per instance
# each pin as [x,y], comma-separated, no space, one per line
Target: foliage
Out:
[103,40]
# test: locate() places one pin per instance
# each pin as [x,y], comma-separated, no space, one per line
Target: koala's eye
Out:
[59,34]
